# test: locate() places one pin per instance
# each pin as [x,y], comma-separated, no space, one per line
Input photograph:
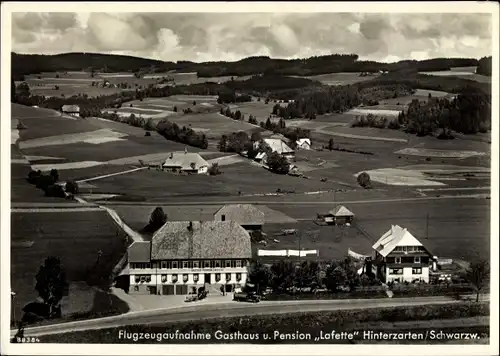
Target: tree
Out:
[330,144]
[175,108]
[277,163]
[336,276]
[259,275]
[54,174]
[478,275]
[223,144]
[71,187]
[157,219]
[283,276]
[194,102]
[149,125]
[364,180]
[237,115]
[51,282]
[23,90]
[256,136]
[268,125]
[13,97]
[204,142]
[214,169]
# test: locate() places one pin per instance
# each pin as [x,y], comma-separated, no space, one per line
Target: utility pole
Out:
[427,226]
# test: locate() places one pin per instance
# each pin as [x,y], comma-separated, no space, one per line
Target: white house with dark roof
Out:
[187,162]
[73,110]
[303,144]
[278,146]
[400,257]
[183,255]
[247,215]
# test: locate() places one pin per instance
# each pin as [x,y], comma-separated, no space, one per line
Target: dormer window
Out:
[223,217]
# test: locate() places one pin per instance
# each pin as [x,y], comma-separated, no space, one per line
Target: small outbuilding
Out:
[73,110]
[339,216]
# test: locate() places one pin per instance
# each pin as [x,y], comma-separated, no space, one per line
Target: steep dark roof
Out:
[204,239]
[243,214]
[139,252]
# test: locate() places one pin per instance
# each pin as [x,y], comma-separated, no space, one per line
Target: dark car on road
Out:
[246,297]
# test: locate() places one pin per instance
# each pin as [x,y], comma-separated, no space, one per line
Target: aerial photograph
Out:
[250,178]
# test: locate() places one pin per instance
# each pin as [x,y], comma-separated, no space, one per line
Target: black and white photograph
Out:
[194,178]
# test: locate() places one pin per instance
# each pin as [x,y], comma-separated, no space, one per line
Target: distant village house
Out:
[278,146]
[303,144]
[185,162]
[247,215]
[73,110]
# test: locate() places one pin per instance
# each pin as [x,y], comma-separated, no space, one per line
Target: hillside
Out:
[23,64]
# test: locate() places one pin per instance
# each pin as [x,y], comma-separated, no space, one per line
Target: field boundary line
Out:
[111,175]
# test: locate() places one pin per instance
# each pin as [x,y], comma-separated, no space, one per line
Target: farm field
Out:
[339,78]
[75,83]
[462,72]
[158,108]
[256,108]
[75,237]
[239,177]
[458,229]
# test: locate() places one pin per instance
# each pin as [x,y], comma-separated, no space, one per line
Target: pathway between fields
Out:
[111,174]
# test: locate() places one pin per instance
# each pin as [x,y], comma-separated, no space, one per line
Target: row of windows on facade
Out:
[400,271]
[192,264]
[185,277]
[416,259]
[409,249]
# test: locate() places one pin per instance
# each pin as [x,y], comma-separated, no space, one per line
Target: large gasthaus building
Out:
[184,255]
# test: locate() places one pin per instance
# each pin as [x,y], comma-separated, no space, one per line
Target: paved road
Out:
[232,309]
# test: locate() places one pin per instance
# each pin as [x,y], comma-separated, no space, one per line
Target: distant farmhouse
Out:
[185,162]
[73,110]
[303,144]
[339,216]
[278,146]
[247,215]
[400,257]
[187,255]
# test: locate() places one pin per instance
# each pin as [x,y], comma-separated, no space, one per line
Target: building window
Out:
[174,264]
[244,263]
[217,277]
[416,271]
[228,263]
[238,263]
[233,264]
[228,276]
[212,263]
[174,278]
[144,278]
[136,288]
[164,278]
[217,264]
[185,264]
[223,217]
[137,279]
[196,277]
[206,264]
[396,271]
[416,259]
[196,264]
[163,264]
[185,277]
[397,259]
[238,277]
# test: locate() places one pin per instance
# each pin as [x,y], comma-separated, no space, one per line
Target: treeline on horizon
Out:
[24,64]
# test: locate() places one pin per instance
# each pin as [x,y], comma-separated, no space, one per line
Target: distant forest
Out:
[484,66]
[23,64]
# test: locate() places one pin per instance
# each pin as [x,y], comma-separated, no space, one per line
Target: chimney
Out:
[171,155]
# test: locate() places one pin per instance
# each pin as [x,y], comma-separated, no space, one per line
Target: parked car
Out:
[246,297]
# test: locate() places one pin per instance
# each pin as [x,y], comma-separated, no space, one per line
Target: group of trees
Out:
[484,66]
[364,180]
[284,276]
[468,113]
[236,142]
[377,121]
[48,183]
[235,115]
[232,97]
[171,131]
